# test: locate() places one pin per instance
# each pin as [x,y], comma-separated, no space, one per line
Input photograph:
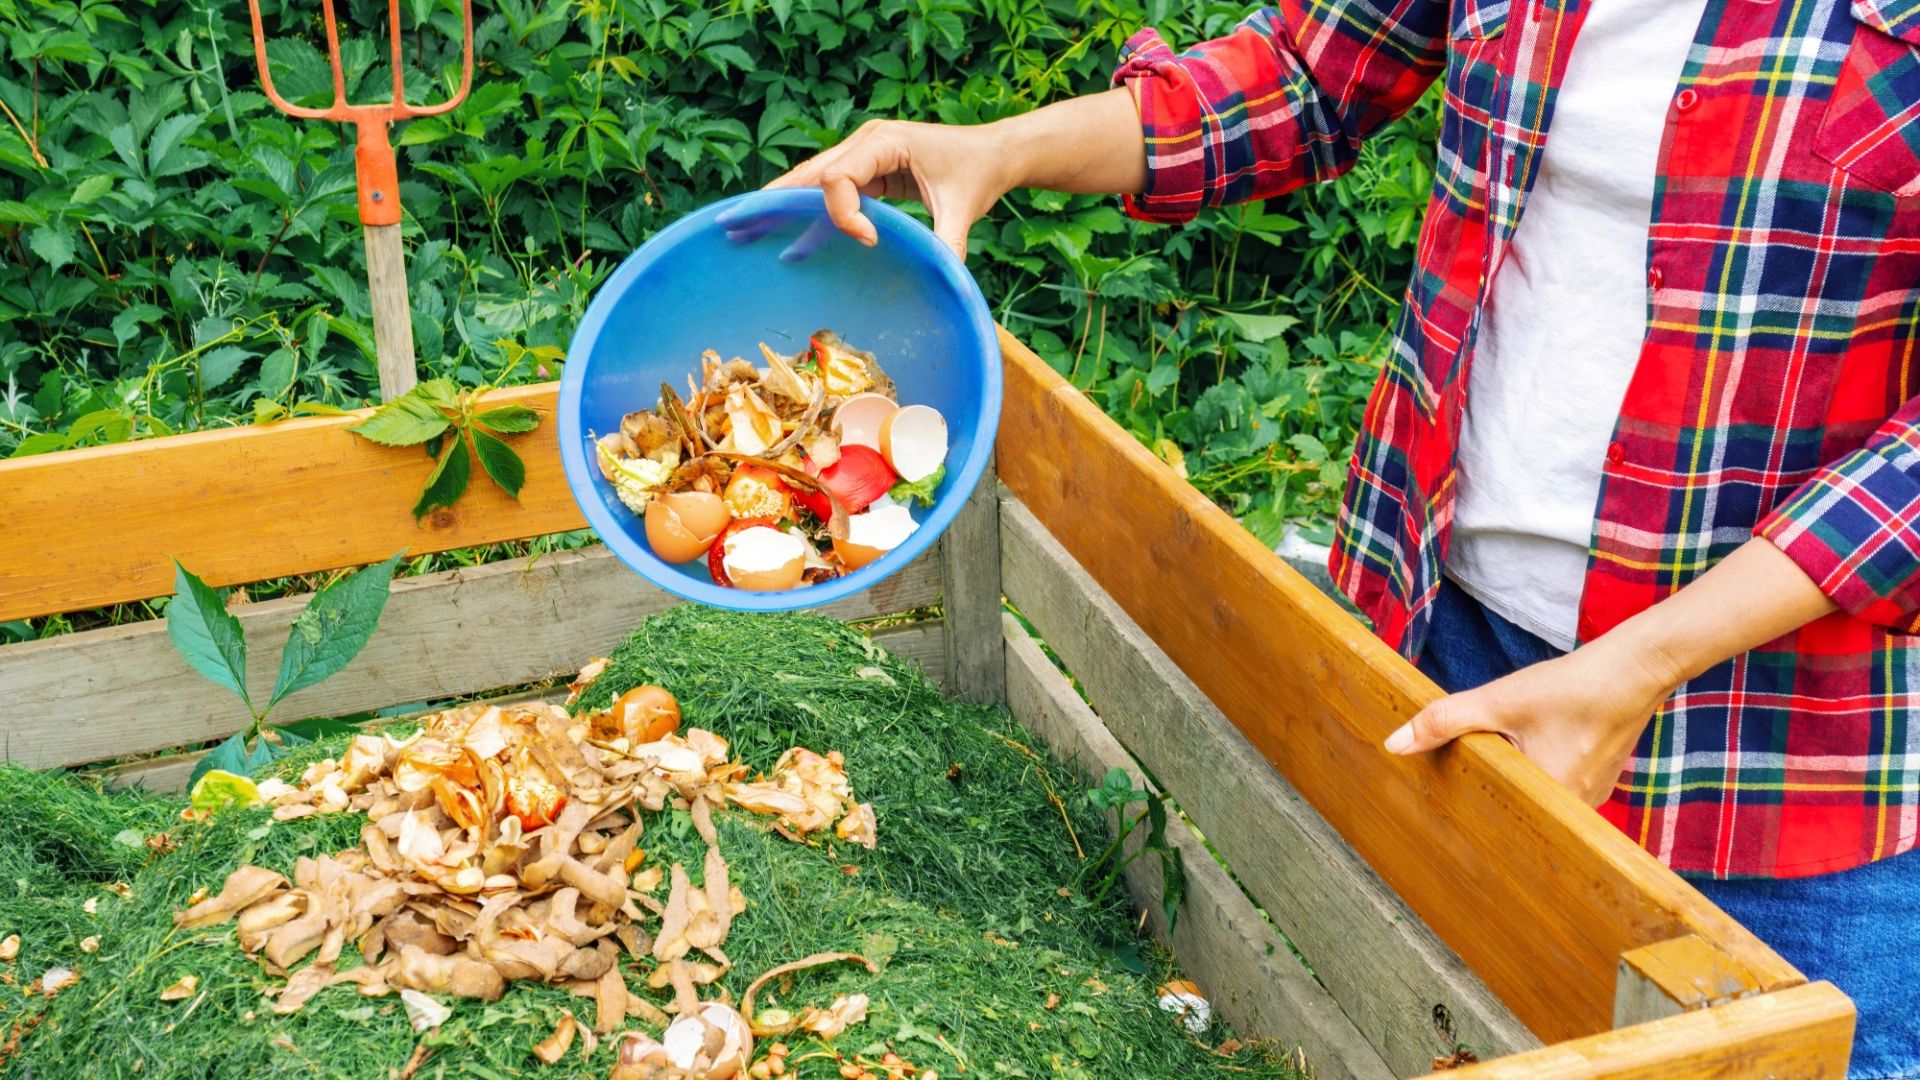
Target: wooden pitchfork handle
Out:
[377,178]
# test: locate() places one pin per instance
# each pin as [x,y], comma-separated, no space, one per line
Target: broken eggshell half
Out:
[681,526]
[859,419]
[762,558]
[914,441]
[871,535]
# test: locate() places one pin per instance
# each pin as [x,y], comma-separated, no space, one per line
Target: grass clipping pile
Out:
[508,871]
[503,844]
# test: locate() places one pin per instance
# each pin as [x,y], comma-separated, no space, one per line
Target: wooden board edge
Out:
[923,643]
[970,596]
[84,529]
[474,619]
[1802,1032]
[1676,976]
[1242,965]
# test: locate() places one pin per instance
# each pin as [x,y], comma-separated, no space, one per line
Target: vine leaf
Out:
[206,634]
[501,463]
[334,627]
[433,410]
[448,481]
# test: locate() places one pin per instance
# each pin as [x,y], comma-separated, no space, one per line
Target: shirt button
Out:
[1655,278]
[1687,100]
[1616,453]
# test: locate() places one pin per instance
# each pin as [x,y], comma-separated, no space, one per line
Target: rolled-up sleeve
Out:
[1283,101]
[1853,526]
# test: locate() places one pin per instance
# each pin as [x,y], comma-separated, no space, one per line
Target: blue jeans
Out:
[1858,929]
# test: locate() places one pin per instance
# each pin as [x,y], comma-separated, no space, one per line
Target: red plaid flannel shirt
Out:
[1775,392]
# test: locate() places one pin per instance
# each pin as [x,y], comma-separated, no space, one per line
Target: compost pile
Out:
[962,943]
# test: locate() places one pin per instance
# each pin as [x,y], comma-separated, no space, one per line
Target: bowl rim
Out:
[621,533]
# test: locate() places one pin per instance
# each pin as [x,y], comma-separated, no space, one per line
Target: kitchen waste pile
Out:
[754,846]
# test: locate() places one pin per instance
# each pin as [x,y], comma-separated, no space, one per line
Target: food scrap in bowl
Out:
[778,476]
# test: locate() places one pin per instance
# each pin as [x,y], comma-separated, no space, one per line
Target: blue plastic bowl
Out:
[694,287]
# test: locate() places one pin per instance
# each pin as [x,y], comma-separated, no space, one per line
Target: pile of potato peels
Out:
[503,843]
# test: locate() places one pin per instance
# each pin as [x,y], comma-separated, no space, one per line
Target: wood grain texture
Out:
[1533,890]
[96,526]
[1800,1033]
[1220,941]
[124,690]
[925,644]
[970,596]
[1669,977]
[1406,991]
[392,321]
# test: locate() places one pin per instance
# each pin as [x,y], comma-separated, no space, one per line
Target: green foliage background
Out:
[176,254]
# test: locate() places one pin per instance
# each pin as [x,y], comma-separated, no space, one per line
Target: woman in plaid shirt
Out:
[1723,271]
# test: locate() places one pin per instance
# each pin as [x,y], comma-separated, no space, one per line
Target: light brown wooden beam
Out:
[1535,892]
[124,690]
[85,528]
[1800,1033]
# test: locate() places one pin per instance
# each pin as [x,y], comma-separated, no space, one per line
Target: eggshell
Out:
[681,526]
[786,575]
[858,421]
[885,527]
[914,441]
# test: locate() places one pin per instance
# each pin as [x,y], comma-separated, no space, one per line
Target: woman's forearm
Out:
[1085,145]
[1753,596]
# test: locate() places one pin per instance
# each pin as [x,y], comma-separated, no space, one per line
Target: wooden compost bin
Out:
[1461,898]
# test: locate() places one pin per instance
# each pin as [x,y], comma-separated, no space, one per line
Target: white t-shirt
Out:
[1564,323]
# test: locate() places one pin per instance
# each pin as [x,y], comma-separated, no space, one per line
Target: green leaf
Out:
[1260,327]
[334,627]
[42,442]
[1308,447]
[509,419]
[449,479]
[91,189]
[52,244]
[230,756]
[921,490]
[500,461]
[219,365]
[1173,885]
[206,633]
[407,420]
[221,789]
[441,392]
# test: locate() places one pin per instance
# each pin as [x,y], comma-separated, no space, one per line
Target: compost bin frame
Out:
[1459,898]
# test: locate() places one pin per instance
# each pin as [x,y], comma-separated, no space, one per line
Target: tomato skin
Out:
[857,479]
[717,554]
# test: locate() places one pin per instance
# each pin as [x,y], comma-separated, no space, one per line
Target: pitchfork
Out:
[377,179]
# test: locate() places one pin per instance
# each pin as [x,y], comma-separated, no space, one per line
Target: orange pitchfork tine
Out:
[377,178]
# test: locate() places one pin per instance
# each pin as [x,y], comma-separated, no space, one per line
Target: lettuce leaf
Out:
[922,489]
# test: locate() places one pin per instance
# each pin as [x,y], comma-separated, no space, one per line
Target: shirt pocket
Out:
[1477,20]
[1871,129]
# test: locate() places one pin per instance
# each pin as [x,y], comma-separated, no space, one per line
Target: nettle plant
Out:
[325,637]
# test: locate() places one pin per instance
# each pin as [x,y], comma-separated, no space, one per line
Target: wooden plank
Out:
[1533,890]
[970,596]
[123,690]
[100,525]
[1671,977]
[1800,1033]
[923,643]
[1408,993]
[1223,945]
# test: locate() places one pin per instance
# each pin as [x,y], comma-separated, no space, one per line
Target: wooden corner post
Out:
[970,597]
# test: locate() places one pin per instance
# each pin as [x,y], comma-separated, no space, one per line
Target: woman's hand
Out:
[1085,144]
[957,172]
[1577,716]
